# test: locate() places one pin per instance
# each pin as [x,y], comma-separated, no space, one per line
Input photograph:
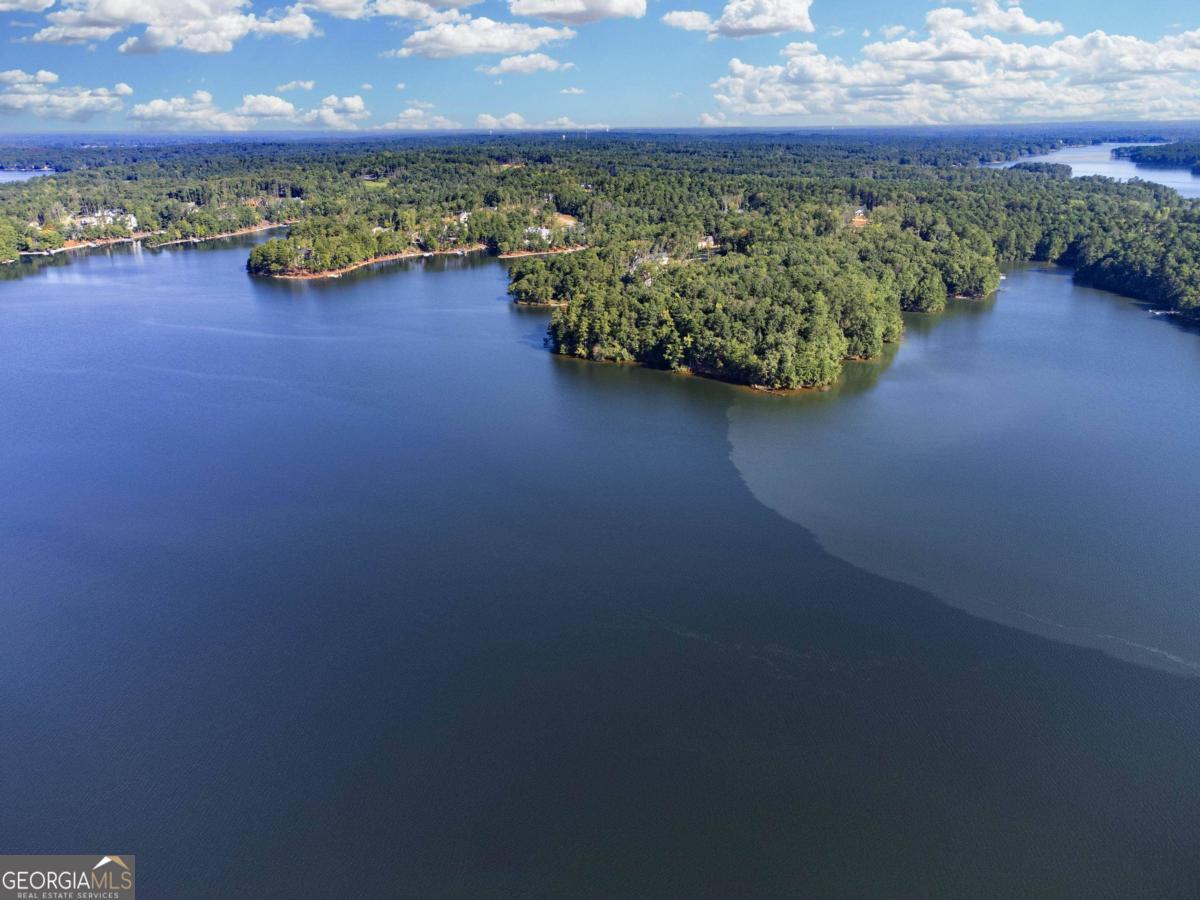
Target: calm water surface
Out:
[307,579]
[18,175]
[1029,459]
[1097,159]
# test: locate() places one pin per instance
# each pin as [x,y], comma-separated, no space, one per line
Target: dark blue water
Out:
[351,587]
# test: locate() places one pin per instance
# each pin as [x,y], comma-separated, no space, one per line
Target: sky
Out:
[419,65]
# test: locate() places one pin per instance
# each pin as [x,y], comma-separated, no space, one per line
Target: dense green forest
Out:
[764,259]
[1177,155]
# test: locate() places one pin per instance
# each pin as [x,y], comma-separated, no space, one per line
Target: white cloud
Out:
[689,20]
[988,16]
[265,106]
[892,31]
[955,75]
[578,12]
[341,113]
[746,18]
[17,76]
[573,91]
[526,65]
[342,9]
[419,118]
[203,26]
[197,112]
[511,120]
[25,5]
[295,24]
[37,94]
[516,122]
[296,86]
[481,35]
[427,11]
[567,124]
[366,87]
[400,85]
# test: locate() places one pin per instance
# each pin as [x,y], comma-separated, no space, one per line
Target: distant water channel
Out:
[352,586]
[7,175]
[1097,159]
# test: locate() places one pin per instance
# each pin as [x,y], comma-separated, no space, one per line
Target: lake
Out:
[351,586]
[1097,159]
[7,175]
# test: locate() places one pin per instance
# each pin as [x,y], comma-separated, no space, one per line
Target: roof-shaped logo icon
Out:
[110,859]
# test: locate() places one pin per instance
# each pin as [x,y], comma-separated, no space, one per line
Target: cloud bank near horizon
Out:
[967,62]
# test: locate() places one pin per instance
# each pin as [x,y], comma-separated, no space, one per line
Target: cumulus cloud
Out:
[37,94]
[25,5]
[427,11]
[573,91]
[689,20]
[295,23]
[481,35]
[203,26]
[296,86]
[18,76]
[197,112]
[988,16]
[746,18]
[955,73]
[265,106]
[567,124]
[578,12]
[526,65]
[511,120]
[419,118]
[341,113]
[516,122]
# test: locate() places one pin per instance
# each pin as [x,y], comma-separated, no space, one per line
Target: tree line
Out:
[765,259]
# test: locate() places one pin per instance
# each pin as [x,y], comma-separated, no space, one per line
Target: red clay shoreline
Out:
[414,253]
[142,235]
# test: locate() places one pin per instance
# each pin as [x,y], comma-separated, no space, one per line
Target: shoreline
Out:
[414,253]
[760,390]
[410,253]
[142,235]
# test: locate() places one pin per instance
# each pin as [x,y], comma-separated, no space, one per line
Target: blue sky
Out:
[238,65]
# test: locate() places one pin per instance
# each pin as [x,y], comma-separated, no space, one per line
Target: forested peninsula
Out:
[1177,155]
[762,259]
